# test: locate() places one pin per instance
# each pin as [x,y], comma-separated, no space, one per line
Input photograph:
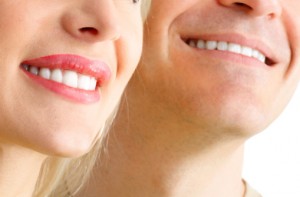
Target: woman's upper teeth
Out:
[66,77]
[228,46]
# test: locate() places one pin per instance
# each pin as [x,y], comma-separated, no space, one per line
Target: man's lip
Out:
[238,39]
[94,68]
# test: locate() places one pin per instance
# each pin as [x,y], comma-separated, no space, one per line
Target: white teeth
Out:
[70,78]
[192,43]
[26,67]
[93,83]
[34,70]
[247,51]
[66,77]
[228,46]
[255,54]
[56,75]
[261,57]
[45,73]
[222,46]
[84,82]
[201,44]
[211,45]
[235,48]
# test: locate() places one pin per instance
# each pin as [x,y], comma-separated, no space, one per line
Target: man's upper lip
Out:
[94,68]
[253,43]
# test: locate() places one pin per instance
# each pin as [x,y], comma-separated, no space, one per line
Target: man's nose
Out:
[257,8]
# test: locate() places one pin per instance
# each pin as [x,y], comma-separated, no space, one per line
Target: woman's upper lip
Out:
[94,68]
[240,39]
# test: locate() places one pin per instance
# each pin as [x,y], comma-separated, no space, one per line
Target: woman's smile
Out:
[71,76]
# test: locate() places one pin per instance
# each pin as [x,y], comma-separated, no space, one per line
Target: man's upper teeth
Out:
[228,46]
[66,77]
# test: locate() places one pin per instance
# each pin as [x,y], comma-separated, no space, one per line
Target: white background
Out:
[272,159]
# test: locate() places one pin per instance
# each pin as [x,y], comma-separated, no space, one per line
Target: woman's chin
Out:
[66,145]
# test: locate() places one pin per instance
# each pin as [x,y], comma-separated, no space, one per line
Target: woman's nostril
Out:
[239,4]
[89,30]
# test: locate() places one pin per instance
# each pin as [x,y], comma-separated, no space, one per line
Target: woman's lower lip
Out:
[69,93]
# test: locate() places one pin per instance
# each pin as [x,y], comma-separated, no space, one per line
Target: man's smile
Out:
[238,46]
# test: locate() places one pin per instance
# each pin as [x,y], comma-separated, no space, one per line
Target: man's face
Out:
[224,63]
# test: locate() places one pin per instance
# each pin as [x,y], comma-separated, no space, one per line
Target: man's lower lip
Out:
[69,93]
[232,57]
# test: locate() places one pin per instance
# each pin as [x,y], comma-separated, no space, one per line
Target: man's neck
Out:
[19,169]
[149,153]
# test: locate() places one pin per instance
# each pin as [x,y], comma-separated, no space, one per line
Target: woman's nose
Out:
[92,20]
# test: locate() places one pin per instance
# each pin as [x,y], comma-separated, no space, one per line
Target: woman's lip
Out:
[69,93]
[94,68]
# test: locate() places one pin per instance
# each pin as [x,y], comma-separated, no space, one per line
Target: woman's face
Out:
[64,65]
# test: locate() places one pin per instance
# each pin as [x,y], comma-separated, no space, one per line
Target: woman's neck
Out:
[19,170]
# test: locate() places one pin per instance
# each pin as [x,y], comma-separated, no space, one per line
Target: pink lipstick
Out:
[73,77]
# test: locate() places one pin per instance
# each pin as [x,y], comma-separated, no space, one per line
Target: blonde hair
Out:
[63,177]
